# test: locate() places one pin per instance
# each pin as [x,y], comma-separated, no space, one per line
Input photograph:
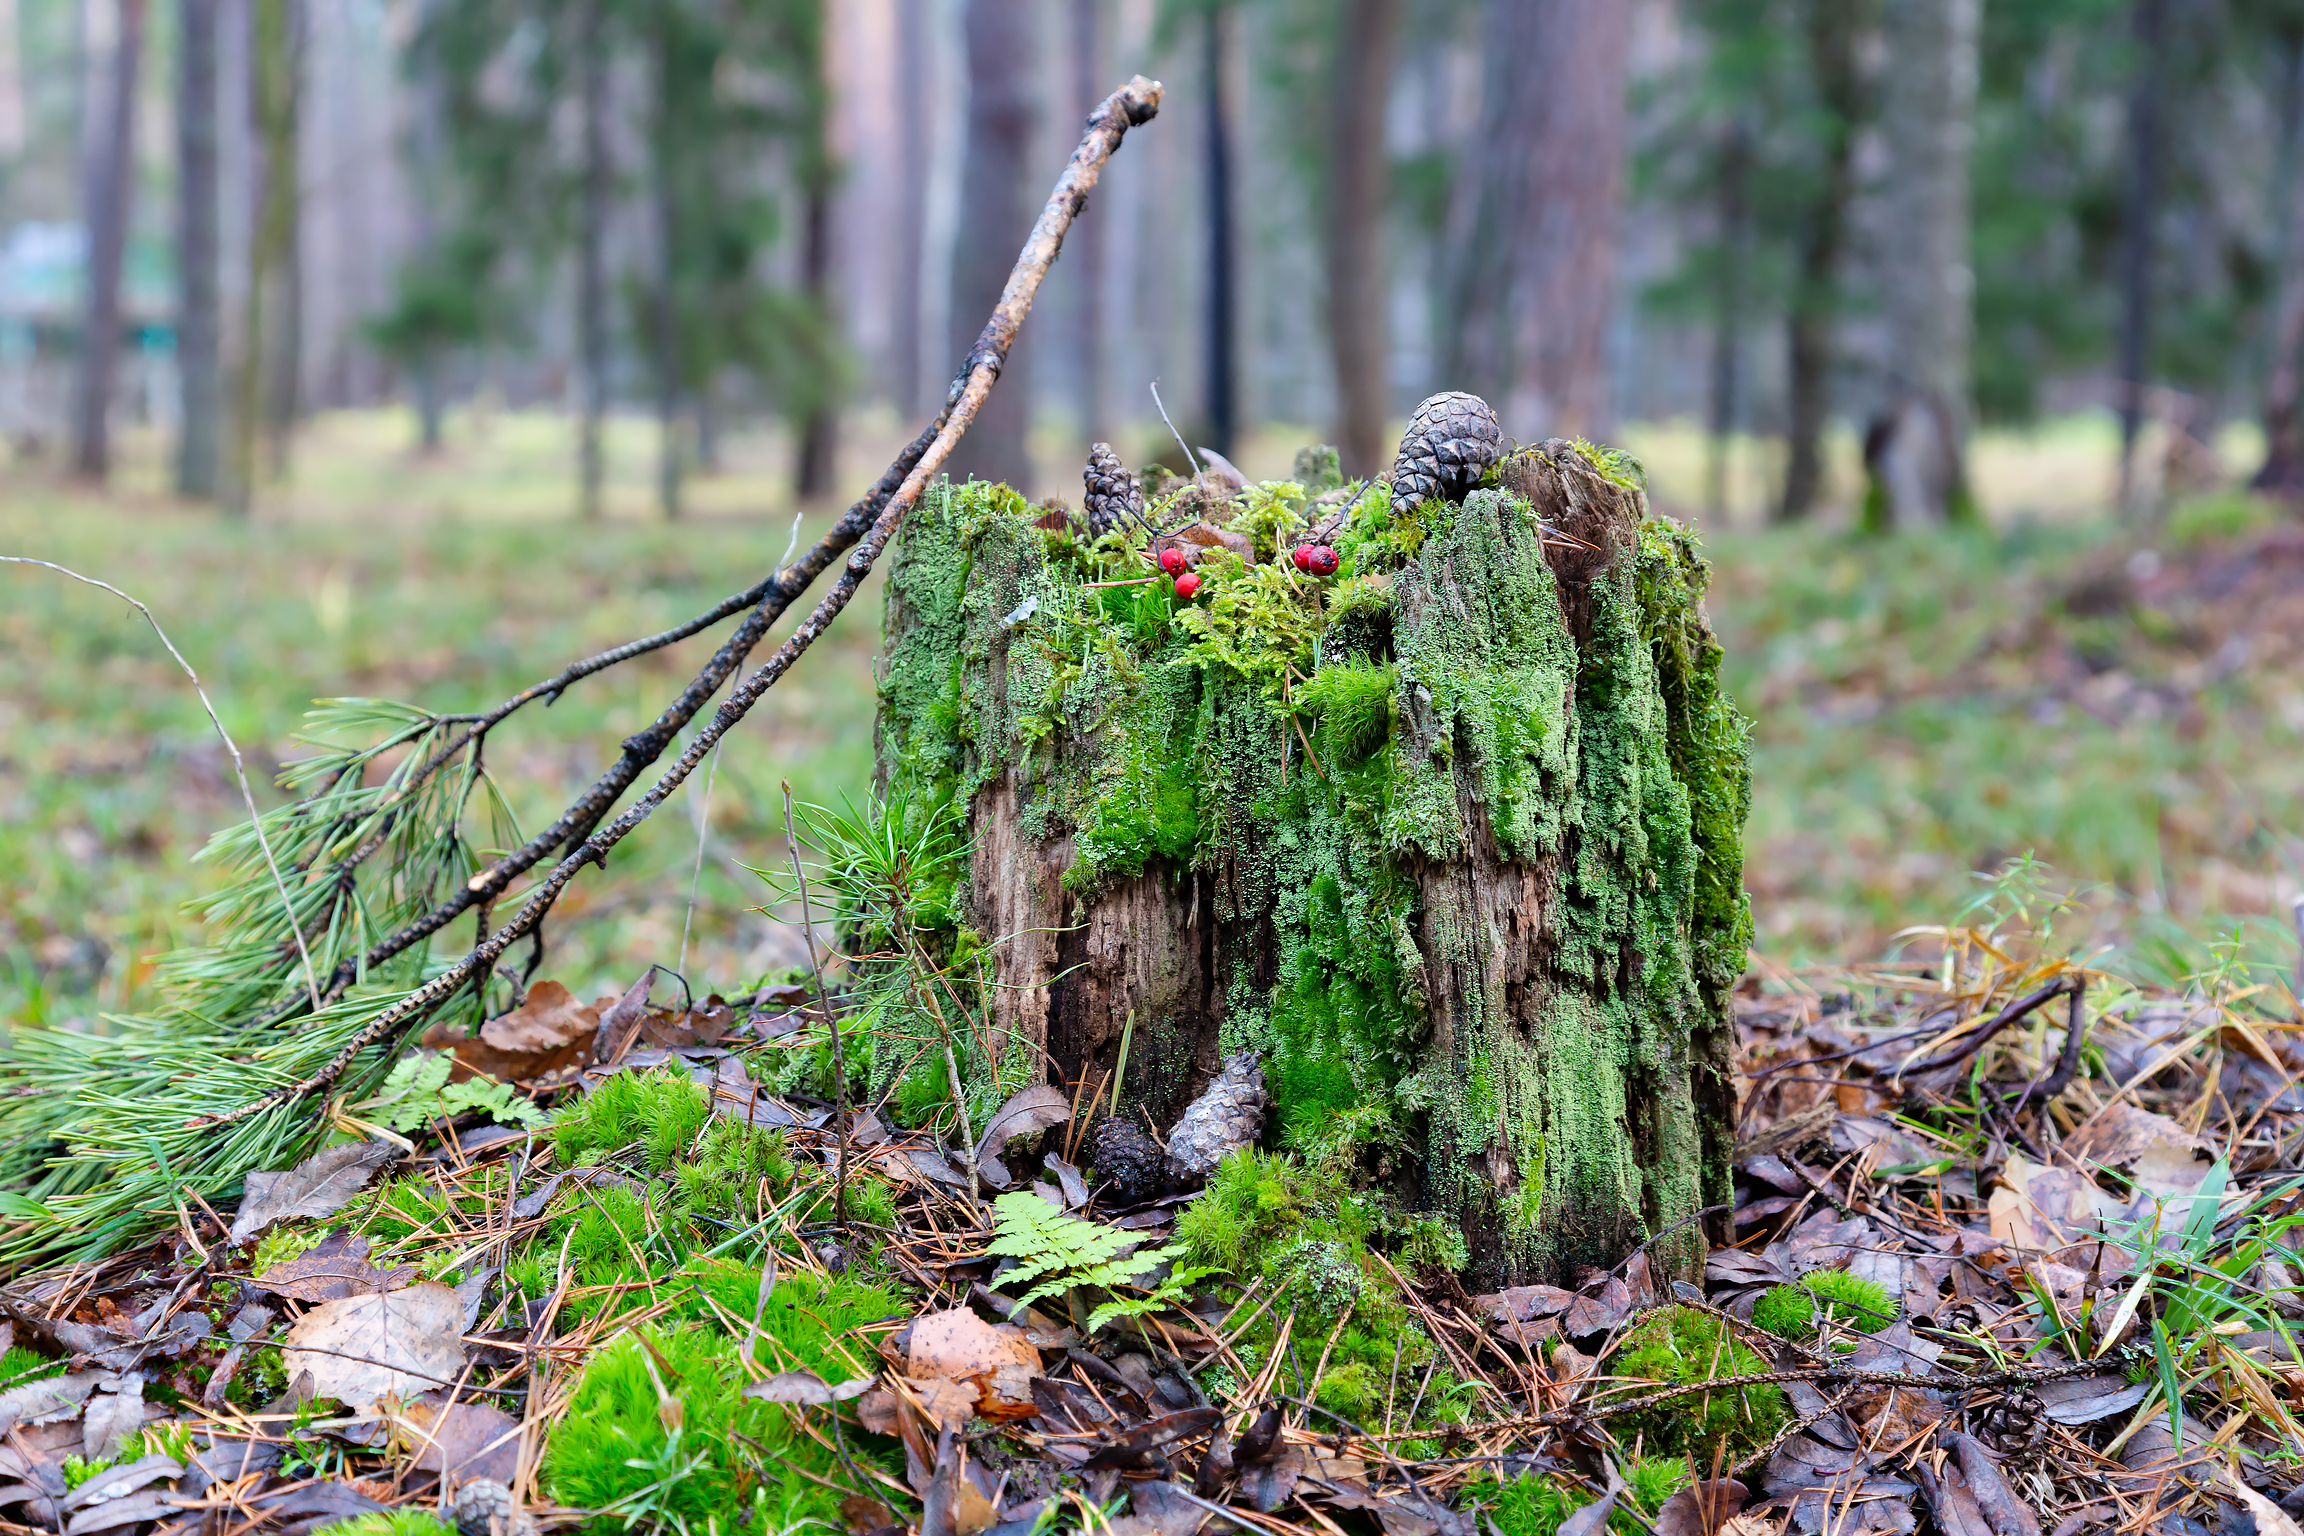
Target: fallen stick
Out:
[1131,105]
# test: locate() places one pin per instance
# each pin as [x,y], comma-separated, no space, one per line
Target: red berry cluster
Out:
[1315,559]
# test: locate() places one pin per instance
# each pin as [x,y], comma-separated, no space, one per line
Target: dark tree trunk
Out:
[2139,212]
[2282,473]
[1535,277]
[273,86]
[1519,968]
[111,172]
[1359,188]
[997,203]
[907,329]
[199,320]
[1823,234]
[1727,303]
[1220,393]
[1085,250]
[592,265]
[668,254]
[818,469]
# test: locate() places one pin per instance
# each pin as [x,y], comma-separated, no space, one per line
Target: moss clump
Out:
[1787,1311]
[736,1169]
[405,1521]
[1538,1506]
[660,1110]
[283,1243]
[1852,1299]
[20,1365]
[1680,1346]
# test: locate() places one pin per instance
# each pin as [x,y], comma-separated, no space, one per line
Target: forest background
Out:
[406,348]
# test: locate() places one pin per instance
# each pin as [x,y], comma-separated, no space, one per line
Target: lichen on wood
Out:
[1453,838]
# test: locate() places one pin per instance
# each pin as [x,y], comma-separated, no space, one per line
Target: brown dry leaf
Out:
[1037,1108]
[548,1035]
[2043,1209]
[362,1348]
[971,1511]
[321,1185]
[112,1417]
[1604,1312]
[48,1400]
[806,1387]
[876,1410]
[2119,1135]
[948,1404]
[335,1268]
[464,1440]
[620,1019]
[1685,1513]
[864,1515]
[2271,1519]
[960,1346]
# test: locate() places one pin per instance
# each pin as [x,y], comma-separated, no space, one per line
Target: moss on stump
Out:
[1454,838]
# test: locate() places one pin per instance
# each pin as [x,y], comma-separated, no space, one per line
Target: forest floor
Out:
[2125,706]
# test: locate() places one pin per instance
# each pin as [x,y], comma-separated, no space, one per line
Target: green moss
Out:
[20,1365]
[735,1167]
[661,1111]
[1680,1346]
[1864,1304]
[1787,1311]
[1538,1506]
[283,1243]
[405,1521]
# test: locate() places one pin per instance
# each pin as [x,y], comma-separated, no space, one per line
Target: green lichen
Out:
[1314,751]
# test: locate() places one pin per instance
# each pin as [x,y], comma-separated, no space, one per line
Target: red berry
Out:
[1303,557]
[1186,585]
[1172,561]
[1322,561]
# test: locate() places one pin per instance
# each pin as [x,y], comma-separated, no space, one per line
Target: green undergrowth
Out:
[1537,1506]
[1680,1346]
[1791,1311]
[1313,747]
[1306,1237]
[408,1520]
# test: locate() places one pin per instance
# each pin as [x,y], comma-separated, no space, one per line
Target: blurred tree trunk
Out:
[2282,473]
[1915,448]
[1822,236]
[1087,239]
[1535,277]
[1220,356]
[1728,299]
[592,263]
[111,180]
[818,469]
[906,326]
[199,319]
[2140,210]
[1359,195]
[272,88]
[996,209]
[667,209]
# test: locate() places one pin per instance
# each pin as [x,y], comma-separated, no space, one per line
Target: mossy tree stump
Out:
[1454,839]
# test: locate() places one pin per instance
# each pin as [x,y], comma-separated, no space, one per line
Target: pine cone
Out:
[1115,500]
[1229,1116]
[1126,1161]
[1450,442]
[484,1507]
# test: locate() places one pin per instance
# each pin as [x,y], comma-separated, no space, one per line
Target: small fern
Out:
[1061,1251]
[418,1092]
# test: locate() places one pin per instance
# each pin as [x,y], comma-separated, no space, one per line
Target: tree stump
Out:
[1453,839]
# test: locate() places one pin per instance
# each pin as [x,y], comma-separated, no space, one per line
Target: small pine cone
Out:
[1229,1116]
[1127,1162]
[484,1507]
[1115,500]
[1450,442]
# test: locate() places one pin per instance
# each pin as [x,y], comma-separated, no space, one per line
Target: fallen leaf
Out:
[1686,1512]
[1131,1448]
[119,1482]
[1591,1518]
[2007,1514]
[946,1403]
[2121,1134]
[2271,1519]
[1604,1312]
[1525,1303]
[2085,1399]
[462,1440]
[47,1400]
[111,1417]
[621,1018]
[960,1346]
[806,1387]
[876,1410]
[321,1185]
[1035,1109]
[864,1515]
[2043,1209]
[334,1268]
[300,1508]
[397,1344]
[112,1514]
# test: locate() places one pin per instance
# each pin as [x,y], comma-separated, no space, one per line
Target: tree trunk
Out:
[592,265]
[1482,927]
[1359,195]
[907,328]
[2139,212]
[272,89]
[1536,277]
[1219,354]
[998,193]
[1727,304]
[1087,242]
[1915,450]
[1823,234]
[199,320]
[111,173]
[817,472]
[667,341]
[2282,473]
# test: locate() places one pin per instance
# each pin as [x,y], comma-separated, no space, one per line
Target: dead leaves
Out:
[359,1349]
[547,1038]
[1035,1109]
[999,1362]
[318,1187]
[334,1268]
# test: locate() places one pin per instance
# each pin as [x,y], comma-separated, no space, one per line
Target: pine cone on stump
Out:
[1229,1116]
[1451,441]
[1115,500]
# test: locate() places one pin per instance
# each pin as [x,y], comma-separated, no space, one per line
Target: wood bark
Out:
[1820,241]
[2282,472]
[1088,241]
[1916,447]
[2140,211]
[666,342]
[592,262]
[1220,360]
[1570,1092]
[111,180]
[273,87]
[1359,188]
[199,318]
[1535,273]
[995,209]
[908,377]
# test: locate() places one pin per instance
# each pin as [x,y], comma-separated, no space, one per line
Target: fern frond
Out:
[1066,1250]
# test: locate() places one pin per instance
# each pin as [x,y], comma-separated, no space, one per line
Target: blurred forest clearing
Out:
[2128,708]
